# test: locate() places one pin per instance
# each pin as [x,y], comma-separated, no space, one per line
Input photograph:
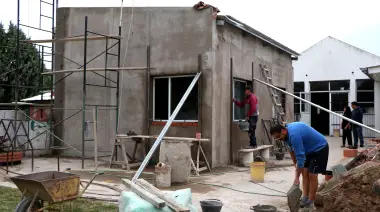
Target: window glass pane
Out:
[189,110]
[364,84]
[299,87]
[239,89]
[338,101]
[340,85]
[297,108]
[319,86]
[365,96]
[161,100]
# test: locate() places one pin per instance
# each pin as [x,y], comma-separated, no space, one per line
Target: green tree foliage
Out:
[30,67]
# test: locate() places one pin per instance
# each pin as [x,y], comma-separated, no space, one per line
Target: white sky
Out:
[297,24]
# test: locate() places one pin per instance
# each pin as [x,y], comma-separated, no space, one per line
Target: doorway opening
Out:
[320,120]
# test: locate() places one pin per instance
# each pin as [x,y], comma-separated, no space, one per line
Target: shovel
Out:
[294,195]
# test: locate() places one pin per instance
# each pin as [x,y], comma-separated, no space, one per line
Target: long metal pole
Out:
[315,105]
[166,127]
[84,90]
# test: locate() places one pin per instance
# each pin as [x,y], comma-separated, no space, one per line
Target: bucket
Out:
[211,205]
[257,172]
[336,132]
[244,126]
[163,175]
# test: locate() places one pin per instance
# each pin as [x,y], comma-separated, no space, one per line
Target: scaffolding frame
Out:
[82,69]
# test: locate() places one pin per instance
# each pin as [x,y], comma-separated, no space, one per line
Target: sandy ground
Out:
[278,177]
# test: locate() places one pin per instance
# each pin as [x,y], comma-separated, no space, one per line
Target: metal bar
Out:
[84,89]
[36,28]
[95,105]
[47,2]
[17,67]
[45,16]
[40,14]
[103,86]
[231,106]
[113,54]
[118,84]
[105,63]
[167,125]
[315,105]
[107,36]
[22,86]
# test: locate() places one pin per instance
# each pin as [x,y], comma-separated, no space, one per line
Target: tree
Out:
[30,67]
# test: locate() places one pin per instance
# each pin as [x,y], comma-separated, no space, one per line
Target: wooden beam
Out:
[94,69]
[168,199]
[68,39]
[151,198]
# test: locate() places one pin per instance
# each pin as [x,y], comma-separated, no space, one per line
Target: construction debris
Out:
[352,192]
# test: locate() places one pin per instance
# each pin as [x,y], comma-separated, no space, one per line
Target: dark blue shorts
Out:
[316,162]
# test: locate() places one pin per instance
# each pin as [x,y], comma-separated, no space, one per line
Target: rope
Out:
[125,55]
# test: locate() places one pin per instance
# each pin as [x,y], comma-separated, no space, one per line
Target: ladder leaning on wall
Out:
[280,114]
[281,117]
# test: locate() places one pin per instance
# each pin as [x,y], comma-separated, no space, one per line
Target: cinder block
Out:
[350,153]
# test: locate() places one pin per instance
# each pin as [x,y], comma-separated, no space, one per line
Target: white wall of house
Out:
[329,60]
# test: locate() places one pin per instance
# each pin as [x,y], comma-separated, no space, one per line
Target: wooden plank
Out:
[94,69]
[169,200]
[68,39]
[257,149]
[143,193]
[124,136]
[204,156]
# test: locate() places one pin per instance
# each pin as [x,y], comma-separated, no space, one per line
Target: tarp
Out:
[131,202]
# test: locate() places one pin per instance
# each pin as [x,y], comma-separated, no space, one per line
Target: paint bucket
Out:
[244,126]
[294,195]
[336,132]
[211,205]
[257,172]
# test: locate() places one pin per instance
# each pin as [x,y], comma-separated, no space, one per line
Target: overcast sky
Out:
[297,24]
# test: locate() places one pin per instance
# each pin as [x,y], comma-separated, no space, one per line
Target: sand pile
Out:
[352,192]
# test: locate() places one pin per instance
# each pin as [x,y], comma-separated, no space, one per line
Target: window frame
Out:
[169,77]
[233,96]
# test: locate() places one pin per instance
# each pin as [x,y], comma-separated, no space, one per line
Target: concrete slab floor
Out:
[279,177]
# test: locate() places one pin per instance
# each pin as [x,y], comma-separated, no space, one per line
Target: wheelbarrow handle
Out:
[89,183]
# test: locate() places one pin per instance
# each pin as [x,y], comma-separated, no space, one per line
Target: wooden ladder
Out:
[281,117]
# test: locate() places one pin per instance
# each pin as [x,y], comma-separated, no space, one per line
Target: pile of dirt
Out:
[352,192]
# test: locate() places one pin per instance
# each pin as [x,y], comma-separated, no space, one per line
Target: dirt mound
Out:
[352,192]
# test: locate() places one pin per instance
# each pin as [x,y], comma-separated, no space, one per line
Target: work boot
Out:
[362,145]
[353,147]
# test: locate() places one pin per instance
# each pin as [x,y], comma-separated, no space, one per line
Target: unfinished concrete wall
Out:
[245,49]
[175,35]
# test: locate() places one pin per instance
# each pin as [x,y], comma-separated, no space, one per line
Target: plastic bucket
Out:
[257,172]
[211,205]
[244,126]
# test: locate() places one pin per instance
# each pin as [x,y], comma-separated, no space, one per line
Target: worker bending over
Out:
[310,153]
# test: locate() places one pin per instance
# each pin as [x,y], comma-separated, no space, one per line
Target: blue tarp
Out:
[131,202]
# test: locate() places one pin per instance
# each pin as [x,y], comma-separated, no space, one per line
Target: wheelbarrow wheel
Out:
[24,204]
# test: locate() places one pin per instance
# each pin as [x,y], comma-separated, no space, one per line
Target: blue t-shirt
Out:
[303,139]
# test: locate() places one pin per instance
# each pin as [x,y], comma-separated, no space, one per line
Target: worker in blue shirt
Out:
[309,152]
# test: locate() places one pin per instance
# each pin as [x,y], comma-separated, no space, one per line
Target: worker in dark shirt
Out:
[252,112]
[357,115]
[346,127]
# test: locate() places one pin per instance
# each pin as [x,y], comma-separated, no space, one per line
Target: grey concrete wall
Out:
[176,37]
[244,49]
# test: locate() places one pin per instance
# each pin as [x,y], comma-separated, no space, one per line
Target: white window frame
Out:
[169,97]
[233,96]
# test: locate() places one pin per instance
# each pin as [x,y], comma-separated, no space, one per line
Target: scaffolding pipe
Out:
[167,125]
[315,105]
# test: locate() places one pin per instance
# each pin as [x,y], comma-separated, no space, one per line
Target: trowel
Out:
[294,195]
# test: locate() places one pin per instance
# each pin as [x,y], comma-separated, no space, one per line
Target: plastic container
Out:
[211,205]
[264,208]
[294,195]
[257,172]
[244,126]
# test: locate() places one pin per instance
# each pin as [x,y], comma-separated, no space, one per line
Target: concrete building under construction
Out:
[172,45]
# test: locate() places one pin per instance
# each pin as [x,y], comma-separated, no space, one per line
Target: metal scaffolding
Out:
[106,73]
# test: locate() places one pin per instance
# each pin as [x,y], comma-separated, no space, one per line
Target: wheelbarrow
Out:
[51,187]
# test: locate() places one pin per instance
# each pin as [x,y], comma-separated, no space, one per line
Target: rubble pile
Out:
[352,192]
